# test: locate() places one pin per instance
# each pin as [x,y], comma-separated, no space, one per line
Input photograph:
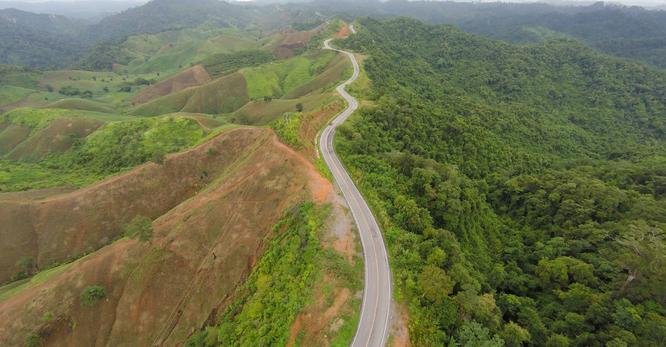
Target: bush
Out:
[26,267]
[140,227]
[69,91]
[92,295]
[33,340]
[158,157]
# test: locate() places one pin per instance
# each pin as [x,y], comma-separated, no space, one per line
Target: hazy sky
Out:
[628,2]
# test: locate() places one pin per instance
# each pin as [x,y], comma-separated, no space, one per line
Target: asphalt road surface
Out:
[376,308]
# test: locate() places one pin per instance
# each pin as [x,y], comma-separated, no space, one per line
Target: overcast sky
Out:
[628,2]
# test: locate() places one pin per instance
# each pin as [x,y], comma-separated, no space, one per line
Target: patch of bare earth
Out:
[343,32]
[160,292]
[293,39]
[399,329]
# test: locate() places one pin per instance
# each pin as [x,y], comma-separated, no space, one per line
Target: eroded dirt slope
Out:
[56,228]
[159,291]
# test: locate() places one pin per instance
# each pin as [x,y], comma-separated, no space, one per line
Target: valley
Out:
[209,173]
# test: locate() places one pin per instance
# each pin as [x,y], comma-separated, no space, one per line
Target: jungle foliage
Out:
[520,188]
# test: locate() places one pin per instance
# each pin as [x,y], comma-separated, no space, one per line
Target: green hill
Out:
[42,148]
[520,188]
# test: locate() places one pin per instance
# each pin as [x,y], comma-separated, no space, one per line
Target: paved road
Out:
[376,308]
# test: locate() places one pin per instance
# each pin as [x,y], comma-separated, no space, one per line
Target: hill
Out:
[250,181]
[88,10]
[38,40]
[520,188]
[191,77]
[631,32]
[162,15]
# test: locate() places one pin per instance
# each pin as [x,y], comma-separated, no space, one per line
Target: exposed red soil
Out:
[159,292]
[293,39]
[343,32]
[194,76]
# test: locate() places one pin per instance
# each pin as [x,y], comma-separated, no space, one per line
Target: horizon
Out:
[646,3]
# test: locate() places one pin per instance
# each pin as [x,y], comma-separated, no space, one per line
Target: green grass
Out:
[174,50]
[279,78]
[115,147]
[82,104]
[223,95]
[287,128]
[345,334]
[39,118]
[264,112]
[166,104]
[11,94]
[14,288]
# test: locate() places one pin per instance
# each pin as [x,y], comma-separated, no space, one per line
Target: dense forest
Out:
[520,188]
[631,32]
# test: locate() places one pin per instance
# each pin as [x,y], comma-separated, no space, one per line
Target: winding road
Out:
[376,307]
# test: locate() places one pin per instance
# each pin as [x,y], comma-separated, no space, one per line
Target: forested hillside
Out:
[520,188]
[626,32]
[631,32]
[42,40]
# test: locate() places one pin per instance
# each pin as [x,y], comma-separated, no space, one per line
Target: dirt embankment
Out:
[56,228]
[159,292]
[194,76]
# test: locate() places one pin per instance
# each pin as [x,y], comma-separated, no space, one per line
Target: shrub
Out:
[140,227]
[26,267]
[157,157]
[33,340]
[92,295]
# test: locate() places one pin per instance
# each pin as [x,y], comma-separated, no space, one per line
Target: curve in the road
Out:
[376,307]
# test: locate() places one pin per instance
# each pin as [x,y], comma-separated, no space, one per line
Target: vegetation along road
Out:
[375,310]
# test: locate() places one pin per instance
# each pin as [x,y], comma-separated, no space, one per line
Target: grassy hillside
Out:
[520,188]
[43,148]
[238,176]
[253,93]
[277,79]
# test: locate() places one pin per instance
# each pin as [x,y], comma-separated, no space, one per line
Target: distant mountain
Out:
[630,32]
[38,40]
[86,9]
[162,15]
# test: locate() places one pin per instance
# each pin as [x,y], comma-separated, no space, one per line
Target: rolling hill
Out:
[250,175]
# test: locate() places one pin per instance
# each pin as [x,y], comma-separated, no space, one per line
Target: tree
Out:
[435,284]
[473,334]
[92,294]
[514,335]
[558,340]
[643,257]
[26,267]
[299,107]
